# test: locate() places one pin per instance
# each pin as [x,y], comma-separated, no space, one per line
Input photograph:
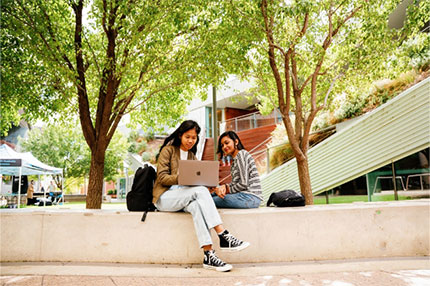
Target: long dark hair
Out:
[175,138]
[232,136]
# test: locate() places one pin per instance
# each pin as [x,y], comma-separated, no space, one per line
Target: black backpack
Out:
[140,197]
[286,198]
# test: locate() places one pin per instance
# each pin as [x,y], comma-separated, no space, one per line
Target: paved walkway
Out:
[404,271]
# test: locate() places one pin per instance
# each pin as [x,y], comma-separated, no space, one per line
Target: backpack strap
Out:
[270,200]
[144,215]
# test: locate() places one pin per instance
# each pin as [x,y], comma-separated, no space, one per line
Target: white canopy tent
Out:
[18,164]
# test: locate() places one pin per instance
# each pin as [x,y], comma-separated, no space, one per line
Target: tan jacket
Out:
[30,191]
[167,170]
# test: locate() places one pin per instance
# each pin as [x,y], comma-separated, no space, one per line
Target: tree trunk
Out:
[305,180]
[95,184]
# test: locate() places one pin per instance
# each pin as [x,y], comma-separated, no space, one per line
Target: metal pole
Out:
[19,186]
[214,120]
[44,195]
[369,194]
[62,188]
[275,115]
[38,183]
[393,169]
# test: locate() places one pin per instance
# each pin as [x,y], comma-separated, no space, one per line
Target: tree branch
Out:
[104,16]
[271,53]
[154,92]
[84,106]
[330,89]
[326,44]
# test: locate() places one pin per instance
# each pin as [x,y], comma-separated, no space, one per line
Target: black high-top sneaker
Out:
[228,242]
[211,261]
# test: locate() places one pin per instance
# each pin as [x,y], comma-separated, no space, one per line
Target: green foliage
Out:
[280,150]
[112,192]
[381,92]
[132,148]
[109,58]
[149,136]
[363,50]
[144,145]
[164,52]
[280,155]
[65,147]
[26,91]
[146,156]
[141,146]
[133,136]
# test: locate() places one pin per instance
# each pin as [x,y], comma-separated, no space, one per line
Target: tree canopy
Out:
[103,59]
[109,58]
[304,52]
[150,48]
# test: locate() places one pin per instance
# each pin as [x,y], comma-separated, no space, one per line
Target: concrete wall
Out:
[362,230]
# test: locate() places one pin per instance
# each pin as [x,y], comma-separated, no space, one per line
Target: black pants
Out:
[31,201]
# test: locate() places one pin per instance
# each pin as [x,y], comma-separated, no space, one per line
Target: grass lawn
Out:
[321,200]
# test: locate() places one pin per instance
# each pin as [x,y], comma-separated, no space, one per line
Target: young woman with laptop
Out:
[197,200]
[244,191]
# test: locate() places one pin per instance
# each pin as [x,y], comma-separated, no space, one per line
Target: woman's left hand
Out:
[221,191]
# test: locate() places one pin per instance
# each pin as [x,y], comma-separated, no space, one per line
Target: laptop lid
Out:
[198,173]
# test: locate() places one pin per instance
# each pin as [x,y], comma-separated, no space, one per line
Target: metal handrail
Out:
[241,116]
[253,154]
[389,177]
[263,142]
[416,175]
[252,117]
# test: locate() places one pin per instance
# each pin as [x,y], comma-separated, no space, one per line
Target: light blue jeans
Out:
[237,201]
[198,202]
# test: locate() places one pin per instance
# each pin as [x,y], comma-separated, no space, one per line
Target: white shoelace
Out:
[215,259]
[232,240]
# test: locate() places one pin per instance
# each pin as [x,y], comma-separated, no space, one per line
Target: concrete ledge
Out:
[363,230]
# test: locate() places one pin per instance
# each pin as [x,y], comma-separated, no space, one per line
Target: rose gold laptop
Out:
[198,173]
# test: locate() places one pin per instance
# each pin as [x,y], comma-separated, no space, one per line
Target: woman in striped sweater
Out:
[244,191]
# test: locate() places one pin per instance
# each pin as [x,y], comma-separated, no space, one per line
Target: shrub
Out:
[132,148]
[141,146]
[146,156]
[283,153]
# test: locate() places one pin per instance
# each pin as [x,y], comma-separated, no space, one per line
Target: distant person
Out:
[244,191]
[52,187]
[171,197]
[30,191]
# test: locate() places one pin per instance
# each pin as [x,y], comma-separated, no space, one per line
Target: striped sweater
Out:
[244,175]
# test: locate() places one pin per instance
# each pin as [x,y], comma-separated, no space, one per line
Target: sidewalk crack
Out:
[110,277]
